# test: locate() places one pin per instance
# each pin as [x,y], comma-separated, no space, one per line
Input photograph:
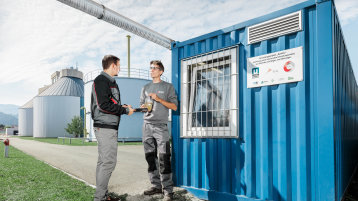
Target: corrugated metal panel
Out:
[66,86]
[287,149]
[345,111]
[53,113]
[26,121]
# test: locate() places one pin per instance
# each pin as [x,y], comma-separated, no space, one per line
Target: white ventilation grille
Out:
[277,27]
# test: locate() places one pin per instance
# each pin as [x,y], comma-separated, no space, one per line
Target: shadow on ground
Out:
[179,195]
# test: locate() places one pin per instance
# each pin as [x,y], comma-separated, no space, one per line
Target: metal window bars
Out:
[209,95]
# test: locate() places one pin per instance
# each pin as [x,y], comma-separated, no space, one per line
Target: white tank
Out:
[26,119]
[56,106]
[130,127]
[11,131]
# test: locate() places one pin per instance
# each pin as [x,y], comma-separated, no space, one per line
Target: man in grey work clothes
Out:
[155,130]
[106,111]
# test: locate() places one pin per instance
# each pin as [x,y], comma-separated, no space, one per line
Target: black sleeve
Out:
[103,98]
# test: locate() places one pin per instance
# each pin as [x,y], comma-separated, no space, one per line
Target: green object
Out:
[74,142]
[84,123]
[75,127]
[23,177]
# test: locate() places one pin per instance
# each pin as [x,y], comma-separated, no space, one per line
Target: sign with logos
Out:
[275,68]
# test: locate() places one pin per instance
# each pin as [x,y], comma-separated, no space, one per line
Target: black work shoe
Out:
[168,197]
[153,191]
[112,196]
[113,199]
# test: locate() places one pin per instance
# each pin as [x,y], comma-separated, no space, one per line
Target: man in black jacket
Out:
[106,110]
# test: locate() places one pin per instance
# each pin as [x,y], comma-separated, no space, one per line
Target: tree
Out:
[2,126]
[75,127]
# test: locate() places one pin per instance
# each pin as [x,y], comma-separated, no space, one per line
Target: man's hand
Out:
[125,105]
[163,102]
[154,97]
[131,110]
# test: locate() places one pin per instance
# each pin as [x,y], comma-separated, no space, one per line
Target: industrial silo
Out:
[26,119]
[130,127]
[55,107]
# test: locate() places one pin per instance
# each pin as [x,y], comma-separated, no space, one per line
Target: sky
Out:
[39,37]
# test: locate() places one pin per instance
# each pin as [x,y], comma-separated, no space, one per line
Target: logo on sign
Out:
[255,72]
[289,66]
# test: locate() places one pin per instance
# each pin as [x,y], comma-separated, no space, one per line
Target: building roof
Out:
[29,104]
[65,86]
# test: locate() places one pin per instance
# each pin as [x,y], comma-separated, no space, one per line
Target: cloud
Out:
[347,10]
[39,37]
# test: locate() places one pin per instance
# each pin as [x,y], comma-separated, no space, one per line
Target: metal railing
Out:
[135,73]
[70,138]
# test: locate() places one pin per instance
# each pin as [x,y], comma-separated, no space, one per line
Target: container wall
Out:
[130,127]
[285,147]
[345,112]
[26,122]
[53,113]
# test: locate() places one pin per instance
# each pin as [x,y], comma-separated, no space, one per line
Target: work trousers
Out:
[107,159]
[156,139]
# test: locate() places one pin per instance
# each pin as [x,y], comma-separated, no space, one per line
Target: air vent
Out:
[274,28]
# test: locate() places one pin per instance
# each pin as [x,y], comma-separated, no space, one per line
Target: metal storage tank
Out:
[11,131]
[26,119]
[55,107]
[275,138]
[130,127]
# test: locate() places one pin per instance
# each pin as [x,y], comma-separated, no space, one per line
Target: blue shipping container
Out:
[291,141]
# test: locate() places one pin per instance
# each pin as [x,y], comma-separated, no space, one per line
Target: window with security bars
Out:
[209,95]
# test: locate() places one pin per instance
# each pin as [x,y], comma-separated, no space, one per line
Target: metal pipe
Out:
[129,55]
[101,12]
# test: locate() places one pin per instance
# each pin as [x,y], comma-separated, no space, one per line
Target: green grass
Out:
[22,177]
[74,142]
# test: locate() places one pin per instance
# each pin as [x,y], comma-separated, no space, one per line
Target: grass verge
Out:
[22,177]
[74,142]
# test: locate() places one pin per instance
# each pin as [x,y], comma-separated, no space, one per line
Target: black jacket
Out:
[106,107]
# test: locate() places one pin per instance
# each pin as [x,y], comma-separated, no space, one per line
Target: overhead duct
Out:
[101,12]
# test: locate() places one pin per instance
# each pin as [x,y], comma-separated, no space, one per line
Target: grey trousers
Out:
[107,159]
[156,139]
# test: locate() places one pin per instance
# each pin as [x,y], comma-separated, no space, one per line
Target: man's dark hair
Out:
[108,60]
[158,63]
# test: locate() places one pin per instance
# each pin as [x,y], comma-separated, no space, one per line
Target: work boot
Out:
[113,199]
[153,191]
[168,197]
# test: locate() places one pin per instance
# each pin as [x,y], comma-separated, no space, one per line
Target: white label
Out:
[275,68]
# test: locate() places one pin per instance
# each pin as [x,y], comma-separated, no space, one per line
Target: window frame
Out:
[188,88]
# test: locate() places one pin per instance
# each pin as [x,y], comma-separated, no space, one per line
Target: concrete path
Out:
[129,177]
